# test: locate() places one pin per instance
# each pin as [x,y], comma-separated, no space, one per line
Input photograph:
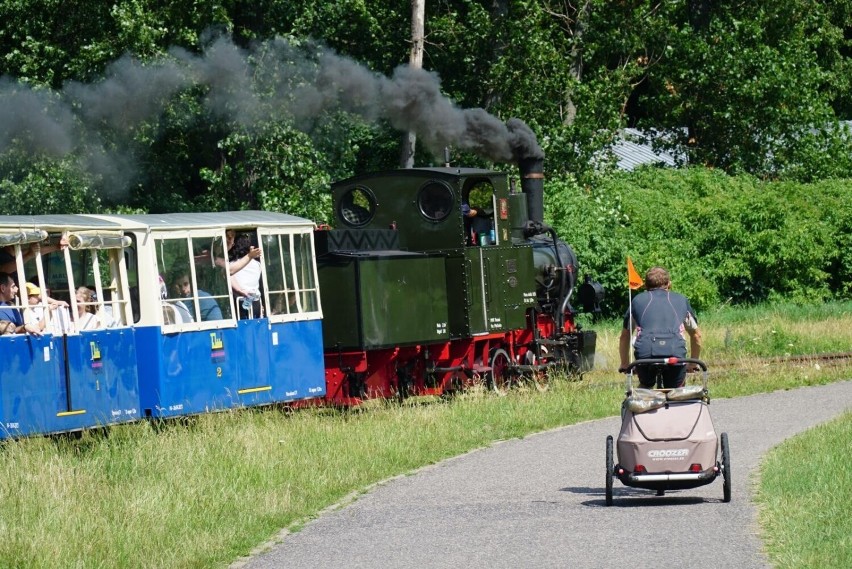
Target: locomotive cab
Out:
[421,211]
[424,206]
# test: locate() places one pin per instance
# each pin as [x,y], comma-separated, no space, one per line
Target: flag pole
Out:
[634,281]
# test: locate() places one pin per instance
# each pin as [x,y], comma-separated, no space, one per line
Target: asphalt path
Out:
[539,502]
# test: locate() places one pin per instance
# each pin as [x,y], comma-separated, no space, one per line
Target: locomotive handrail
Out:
[551,342]
[445,369]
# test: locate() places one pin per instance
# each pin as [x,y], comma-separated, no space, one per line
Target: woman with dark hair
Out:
[246,281]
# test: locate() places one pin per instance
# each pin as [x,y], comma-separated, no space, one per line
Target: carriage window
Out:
[305,268]
[115,300]
[192,287]
[290,273]
[132,267]
[435,200]
[44,281]
[357,207]
[282,299]
[83,284]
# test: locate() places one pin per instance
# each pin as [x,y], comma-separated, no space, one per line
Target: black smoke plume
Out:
[96,122]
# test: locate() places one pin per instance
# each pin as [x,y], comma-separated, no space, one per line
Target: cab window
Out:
[435,201]
[357,207]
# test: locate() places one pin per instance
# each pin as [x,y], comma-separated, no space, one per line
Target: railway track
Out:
[836,358]
[744,364]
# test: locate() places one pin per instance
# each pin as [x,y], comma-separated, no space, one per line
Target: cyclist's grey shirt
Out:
[660,317]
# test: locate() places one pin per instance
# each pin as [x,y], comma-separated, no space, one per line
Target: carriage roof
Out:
[151,221]
[55,222]
[209,220]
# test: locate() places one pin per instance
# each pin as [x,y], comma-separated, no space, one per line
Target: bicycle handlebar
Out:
[663,361]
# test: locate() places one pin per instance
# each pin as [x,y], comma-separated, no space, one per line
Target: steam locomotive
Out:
[420,297]
[134,317]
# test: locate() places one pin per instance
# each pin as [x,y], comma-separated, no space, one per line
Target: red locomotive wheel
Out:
[500,376]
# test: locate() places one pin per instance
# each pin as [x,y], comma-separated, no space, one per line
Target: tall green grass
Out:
[207,490]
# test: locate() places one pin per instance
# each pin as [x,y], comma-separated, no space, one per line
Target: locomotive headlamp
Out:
[591,295]
[22,237]
[98,240]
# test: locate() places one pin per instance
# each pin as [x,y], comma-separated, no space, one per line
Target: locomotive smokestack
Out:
[532,184]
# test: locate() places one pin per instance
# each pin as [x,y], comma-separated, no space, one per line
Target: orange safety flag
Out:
[634,281]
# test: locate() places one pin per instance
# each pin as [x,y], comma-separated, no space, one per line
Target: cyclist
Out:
[660,318]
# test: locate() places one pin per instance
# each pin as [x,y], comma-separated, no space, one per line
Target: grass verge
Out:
[803,499]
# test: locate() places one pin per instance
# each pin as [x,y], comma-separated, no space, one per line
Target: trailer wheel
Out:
[726,468]
[610,470]
[500,375]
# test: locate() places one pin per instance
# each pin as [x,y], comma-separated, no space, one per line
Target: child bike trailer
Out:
[667,440]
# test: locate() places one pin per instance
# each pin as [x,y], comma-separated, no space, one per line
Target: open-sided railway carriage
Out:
[146,357]
[68,380]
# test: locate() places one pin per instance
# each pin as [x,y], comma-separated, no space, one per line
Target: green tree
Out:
[724,238]
[35,186]
[749,86]
[278,169]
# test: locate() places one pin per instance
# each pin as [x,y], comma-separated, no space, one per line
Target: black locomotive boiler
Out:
[421,297]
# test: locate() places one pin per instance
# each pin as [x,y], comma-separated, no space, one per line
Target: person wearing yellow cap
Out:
[32,290]
[34,311]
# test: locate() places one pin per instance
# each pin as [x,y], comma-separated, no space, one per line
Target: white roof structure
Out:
[633,149]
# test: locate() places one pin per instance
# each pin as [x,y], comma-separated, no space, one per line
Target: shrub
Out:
[724,239]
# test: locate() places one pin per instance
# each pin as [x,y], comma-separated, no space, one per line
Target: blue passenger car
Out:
[132,316]
[79,370]
[206,340]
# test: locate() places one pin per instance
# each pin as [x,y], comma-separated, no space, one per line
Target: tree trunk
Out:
[418,16]
[499,14]
[576,61]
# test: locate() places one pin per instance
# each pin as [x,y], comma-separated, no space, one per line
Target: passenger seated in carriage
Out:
[35,314]
[10,312]
[182,287]
[86,318]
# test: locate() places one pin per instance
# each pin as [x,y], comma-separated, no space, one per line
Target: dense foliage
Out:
[163,106]
[725,239]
